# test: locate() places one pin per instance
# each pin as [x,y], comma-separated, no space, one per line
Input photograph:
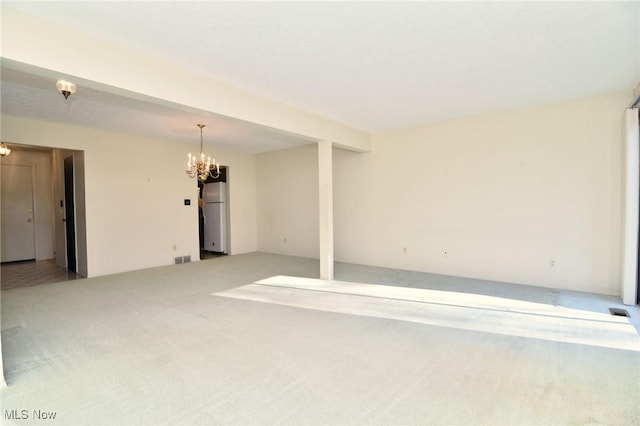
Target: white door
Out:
[18,231]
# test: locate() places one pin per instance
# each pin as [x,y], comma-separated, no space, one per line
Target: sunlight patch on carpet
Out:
[459,310]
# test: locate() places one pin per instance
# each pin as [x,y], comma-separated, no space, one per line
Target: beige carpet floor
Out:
[237,340]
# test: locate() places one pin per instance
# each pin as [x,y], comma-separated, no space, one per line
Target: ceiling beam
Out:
[34,42]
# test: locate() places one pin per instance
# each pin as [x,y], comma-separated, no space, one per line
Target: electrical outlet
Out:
[552,263]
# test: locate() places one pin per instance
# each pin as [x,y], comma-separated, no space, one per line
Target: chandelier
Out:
[198,166]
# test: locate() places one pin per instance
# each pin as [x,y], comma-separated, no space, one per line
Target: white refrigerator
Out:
[215,217]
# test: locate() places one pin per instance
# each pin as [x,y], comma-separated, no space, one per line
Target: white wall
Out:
[529,196]
[287,183]
[503,195]
[135,189]
[241,178]
[42,193]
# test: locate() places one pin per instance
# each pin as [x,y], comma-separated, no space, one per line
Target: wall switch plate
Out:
[187,202]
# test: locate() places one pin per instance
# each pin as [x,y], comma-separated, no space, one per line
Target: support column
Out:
[325,182]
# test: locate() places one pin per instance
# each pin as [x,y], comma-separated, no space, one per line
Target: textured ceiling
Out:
[372,65]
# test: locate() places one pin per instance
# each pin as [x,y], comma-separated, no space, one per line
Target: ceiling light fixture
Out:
[66,88]
[4,150]
[198,166]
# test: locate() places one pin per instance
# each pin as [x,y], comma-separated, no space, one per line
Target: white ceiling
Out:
[372,65]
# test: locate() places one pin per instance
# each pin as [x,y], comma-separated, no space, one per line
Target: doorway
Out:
[213,215]
[33,234]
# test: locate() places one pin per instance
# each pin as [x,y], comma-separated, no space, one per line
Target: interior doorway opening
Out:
[213,215]
[47,247]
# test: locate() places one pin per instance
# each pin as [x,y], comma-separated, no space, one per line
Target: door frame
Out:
[79,201]
[70,213]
